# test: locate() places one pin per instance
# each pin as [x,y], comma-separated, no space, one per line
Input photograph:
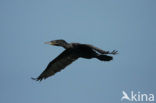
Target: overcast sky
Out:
[128,26]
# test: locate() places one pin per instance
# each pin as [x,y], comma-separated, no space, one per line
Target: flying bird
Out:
[72,52]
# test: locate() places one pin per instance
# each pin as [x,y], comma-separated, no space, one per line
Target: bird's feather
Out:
[59,63]
[97,49]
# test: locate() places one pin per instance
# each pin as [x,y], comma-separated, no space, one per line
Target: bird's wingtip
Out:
[34,79]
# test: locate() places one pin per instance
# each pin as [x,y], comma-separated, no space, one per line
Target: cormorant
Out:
[72,52]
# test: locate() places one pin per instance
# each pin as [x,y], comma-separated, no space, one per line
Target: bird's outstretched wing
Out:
[101,51]
[59,63]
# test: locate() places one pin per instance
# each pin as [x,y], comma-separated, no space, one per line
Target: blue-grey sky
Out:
[128,26]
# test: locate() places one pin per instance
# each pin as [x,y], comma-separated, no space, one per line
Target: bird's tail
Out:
[104,57]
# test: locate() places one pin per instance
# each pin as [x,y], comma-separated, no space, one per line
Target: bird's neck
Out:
[67,46]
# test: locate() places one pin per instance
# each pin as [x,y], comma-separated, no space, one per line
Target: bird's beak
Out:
[50,43]
[47,42]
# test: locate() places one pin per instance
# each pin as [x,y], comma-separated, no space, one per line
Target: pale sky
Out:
[128,26]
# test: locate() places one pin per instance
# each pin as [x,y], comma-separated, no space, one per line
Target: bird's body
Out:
[72,52]
[83,51]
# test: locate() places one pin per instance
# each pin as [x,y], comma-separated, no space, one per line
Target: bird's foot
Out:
[114,52]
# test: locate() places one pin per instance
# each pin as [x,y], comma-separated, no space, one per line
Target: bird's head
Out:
[59,42]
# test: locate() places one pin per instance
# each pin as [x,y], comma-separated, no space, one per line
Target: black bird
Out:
[72,52]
